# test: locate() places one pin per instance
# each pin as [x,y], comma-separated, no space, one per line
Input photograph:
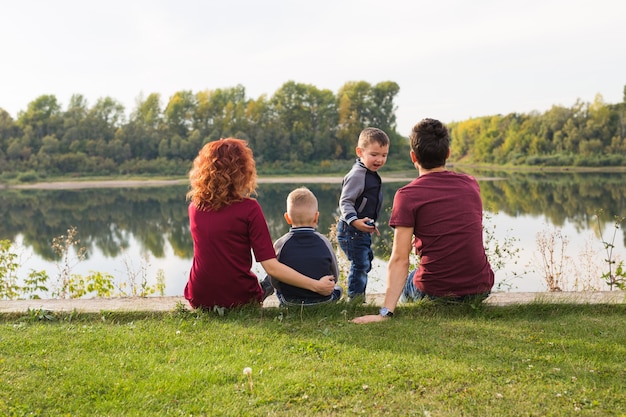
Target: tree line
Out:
[300,128]
[585,134]
[299,125]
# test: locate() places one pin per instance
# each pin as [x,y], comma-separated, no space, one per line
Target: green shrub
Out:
[29,176]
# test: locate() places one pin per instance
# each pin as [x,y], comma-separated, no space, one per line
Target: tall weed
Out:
[11,285]
[552,245]
[615,275]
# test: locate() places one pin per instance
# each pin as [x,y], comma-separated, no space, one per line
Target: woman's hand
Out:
[326,285]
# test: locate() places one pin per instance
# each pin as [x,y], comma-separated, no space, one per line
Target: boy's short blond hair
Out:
[302,206]
[370,135]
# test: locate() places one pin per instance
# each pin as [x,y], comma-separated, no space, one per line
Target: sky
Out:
[453,59]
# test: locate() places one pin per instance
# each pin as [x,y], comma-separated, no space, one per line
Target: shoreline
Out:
[170,303]
[397,176]
[76,185]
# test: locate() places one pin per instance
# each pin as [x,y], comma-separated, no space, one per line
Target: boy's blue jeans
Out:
[357,246]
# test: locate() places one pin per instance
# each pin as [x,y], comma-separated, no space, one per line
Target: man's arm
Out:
[397,272]
[398,267]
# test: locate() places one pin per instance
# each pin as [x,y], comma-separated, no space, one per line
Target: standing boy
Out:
[440,214]
[305,250]
[360,204]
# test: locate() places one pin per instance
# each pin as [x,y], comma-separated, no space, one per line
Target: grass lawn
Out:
[430,360]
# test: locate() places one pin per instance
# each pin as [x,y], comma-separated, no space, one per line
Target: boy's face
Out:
[373,155]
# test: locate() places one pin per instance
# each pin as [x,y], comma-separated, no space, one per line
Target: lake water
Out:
[135,232]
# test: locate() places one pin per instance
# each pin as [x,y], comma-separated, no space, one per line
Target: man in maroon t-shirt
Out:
[440,215]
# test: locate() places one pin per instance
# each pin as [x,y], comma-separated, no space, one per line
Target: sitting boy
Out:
[305,250]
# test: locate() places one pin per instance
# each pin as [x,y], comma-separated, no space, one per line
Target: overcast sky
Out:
[452,59]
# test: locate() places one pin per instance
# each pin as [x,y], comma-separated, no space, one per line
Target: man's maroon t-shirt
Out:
[445,211]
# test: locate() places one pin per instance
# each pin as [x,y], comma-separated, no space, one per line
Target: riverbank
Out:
[121,183]
[404,176]
[387,176]
[96,305]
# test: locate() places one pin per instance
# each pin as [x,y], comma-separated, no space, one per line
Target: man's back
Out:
[445,211]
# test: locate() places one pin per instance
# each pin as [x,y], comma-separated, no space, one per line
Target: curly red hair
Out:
[223,172]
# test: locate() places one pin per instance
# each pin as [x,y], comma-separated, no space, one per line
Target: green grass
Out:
[429,360]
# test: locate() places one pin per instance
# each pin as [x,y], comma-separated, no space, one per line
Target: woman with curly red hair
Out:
[227,225]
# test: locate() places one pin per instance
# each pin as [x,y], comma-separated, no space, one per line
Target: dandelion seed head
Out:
[247,371]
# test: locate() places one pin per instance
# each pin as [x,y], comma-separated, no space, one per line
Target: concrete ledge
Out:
[566,297]
[96,305]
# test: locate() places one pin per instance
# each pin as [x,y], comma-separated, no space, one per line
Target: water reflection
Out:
[559,197]
[111,222]
[106,219]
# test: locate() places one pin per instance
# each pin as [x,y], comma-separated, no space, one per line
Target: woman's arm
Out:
[284,273]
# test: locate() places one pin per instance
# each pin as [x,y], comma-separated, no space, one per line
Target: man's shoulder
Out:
[445,176]
[464,180]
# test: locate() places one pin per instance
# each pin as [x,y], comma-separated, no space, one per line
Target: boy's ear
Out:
[359,151]
[317,216]
[414,157]
[287,218]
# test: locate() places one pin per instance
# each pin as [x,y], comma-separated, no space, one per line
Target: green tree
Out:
[383,112]
[179,113]
[105,117]
[50,145]
[463,135]
[220,113]
[144,130]
[305,117]
[148,112]
[361,105]
[16,150]
[8,128]
[554,121]
[354,101]
[260,128]
[602,123]
[41,118]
